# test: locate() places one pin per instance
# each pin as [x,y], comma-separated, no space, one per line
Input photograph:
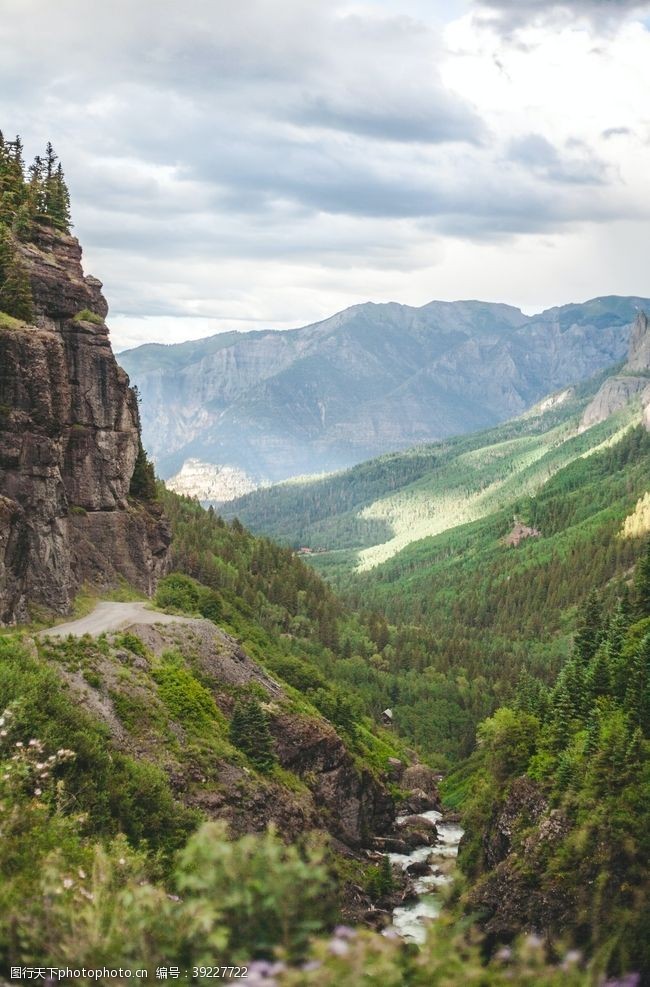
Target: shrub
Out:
[188,702]
[86,315]
[251,896]
[178,592]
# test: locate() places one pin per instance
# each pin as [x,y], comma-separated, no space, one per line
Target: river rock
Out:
[420,823]
[418,801]
[390,844]
[419,868]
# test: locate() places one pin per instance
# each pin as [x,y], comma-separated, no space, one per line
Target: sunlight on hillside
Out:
[637,523]
[481,481]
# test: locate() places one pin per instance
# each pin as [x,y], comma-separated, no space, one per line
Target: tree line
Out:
[30,198]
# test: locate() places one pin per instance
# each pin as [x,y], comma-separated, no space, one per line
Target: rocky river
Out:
[430,868]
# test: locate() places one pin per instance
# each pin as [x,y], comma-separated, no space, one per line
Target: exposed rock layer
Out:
[69,432]
[632,383]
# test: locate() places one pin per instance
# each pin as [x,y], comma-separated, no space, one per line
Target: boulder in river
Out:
[419,868]
[418,801]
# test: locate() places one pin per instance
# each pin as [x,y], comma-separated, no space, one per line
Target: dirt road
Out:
[113,617]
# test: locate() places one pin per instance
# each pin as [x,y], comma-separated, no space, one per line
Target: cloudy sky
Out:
[266,163]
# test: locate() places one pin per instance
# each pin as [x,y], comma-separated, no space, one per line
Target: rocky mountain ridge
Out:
[372,379]
[69,440]
[633,381]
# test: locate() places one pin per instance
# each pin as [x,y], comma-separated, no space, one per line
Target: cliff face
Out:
[633,382]
[510,895]
[69,434]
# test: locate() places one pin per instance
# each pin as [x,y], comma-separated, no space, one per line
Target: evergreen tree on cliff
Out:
[143,481]
[249,731]
[38,196]
[15,289]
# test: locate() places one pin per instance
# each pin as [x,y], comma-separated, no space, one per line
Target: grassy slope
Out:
[379,507]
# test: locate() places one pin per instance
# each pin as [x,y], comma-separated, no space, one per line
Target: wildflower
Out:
[37,791]
[571,959]
[67,882]
[82,874]
[19,743]
[338,947]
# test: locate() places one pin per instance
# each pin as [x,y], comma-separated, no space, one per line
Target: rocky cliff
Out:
[632,383]
[69,438]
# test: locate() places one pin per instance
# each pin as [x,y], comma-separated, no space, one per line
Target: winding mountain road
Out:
[113,617]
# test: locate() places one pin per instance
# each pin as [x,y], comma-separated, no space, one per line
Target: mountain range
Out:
[374,378]
[364,516]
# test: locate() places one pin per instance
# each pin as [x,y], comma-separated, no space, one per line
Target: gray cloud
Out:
[537,153]
[208,134]
[510,15]
[616,132]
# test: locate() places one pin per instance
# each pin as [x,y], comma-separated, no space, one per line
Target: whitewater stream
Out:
[410,920]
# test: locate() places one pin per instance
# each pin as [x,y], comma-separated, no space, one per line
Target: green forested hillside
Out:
[102,859]
[365,515]
[557,796]
[460,614]
[490,611]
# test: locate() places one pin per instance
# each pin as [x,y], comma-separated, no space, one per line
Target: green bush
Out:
[252,896]
[178,592]
[86,315]
[188,702]
[298,673]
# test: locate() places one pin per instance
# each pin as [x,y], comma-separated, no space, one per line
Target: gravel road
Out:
[113,617]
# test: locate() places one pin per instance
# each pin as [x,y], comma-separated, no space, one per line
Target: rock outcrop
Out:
[632,383]
[69,438]
[509,896]
[333,793]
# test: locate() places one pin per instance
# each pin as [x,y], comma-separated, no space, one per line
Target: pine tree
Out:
[637,697]
[15,289]
[249,731]
[589,633]
[143,480]
[58,200]
[642,584]
[598,674]
[36,189]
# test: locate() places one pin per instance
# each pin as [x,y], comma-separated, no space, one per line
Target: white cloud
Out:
[238,166]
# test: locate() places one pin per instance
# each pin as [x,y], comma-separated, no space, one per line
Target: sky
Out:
[266,163]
